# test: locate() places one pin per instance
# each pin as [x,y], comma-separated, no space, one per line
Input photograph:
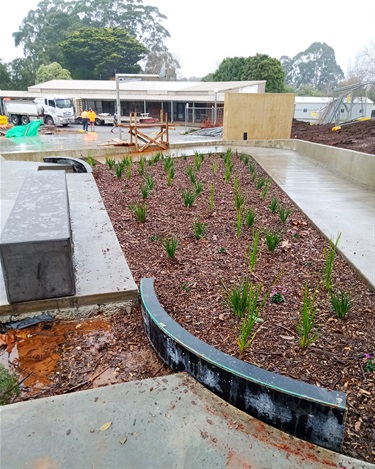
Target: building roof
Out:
[139,90]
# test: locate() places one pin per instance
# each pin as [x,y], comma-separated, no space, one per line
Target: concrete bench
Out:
[36,242]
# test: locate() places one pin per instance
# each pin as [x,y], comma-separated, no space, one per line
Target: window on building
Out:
[305,110]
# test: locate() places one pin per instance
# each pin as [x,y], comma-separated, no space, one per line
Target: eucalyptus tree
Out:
[316,67]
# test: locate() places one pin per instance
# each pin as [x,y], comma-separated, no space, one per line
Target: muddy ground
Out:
[357,136]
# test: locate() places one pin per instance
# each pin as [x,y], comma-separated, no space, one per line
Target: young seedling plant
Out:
[170,246]
[306,327]
[329,255]
[341,304]
[140,211]
[252,251]
[199,229]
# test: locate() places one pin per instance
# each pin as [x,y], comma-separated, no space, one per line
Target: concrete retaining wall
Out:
[308,412]
[355,165]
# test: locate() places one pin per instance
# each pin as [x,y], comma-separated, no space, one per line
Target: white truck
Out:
[52,110]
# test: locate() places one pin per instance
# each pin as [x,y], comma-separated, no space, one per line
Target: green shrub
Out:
[9,388]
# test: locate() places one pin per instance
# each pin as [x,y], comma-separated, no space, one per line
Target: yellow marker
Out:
[336,128]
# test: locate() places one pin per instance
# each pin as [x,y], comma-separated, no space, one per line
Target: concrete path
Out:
[169,422]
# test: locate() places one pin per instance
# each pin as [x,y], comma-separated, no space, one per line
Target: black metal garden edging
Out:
[303,410]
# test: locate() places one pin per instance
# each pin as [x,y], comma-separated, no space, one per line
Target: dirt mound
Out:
[357,136]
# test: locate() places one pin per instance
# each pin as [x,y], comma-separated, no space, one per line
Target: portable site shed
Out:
[312,109]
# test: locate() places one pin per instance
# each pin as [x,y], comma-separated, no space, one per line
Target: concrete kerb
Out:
[305,411]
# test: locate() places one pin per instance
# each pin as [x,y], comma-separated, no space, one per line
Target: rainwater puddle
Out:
[37,349]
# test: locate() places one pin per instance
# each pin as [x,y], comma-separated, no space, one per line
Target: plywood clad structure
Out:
[253,116]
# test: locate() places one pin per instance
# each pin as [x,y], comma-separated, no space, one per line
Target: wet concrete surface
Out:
[72,138]
[169,422]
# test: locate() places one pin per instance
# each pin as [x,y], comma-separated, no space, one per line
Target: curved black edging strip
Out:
[308,412]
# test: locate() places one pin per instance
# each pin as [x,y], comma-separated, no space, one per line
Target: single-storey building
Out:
[194,102]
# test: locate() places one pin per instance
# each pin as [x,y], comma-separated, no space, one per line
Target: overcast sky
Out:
[204,32]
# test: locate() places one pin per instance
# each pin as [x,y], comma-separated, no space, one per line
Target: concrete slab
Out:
[169,422]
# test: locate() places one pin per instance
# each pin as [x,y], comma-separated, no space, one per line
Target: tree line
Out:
[95,39]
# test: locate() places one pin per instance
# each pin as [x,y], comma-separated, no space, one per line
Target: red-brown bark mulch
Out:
[191,286]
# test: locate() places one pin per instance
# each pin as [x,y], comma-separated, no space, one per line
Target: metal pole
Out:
[215,109]
[127,75]
[118,106]
[186,115]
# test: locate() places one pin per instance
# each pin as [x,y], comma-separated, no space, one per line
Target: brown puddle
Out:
[37,349]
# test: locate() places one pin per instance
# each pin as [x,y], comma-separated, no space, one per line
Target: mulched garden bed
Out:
[191,286]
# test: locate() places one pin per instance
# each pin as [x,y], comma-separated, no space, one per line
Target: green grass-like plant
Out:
[284,213]
[212,197]
[214,167]
[142,163]
[273,239]
[274,205]
[140,211]
[149,181]
[110,162]
[329,255]
[189,197]
[249,218]
[265,190]
[239,222]
[306,327]
[199,229]
[239,199]
[126,161]
[90,160]
[252,167]
[119,169]
[168,163]
[170,246]
[260,183]
[190,172]
[9,387]
[197,160]
[228,172]
[145,191]
[237,298]
[252,250]
[170,175]
[341,304]
[198,187]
